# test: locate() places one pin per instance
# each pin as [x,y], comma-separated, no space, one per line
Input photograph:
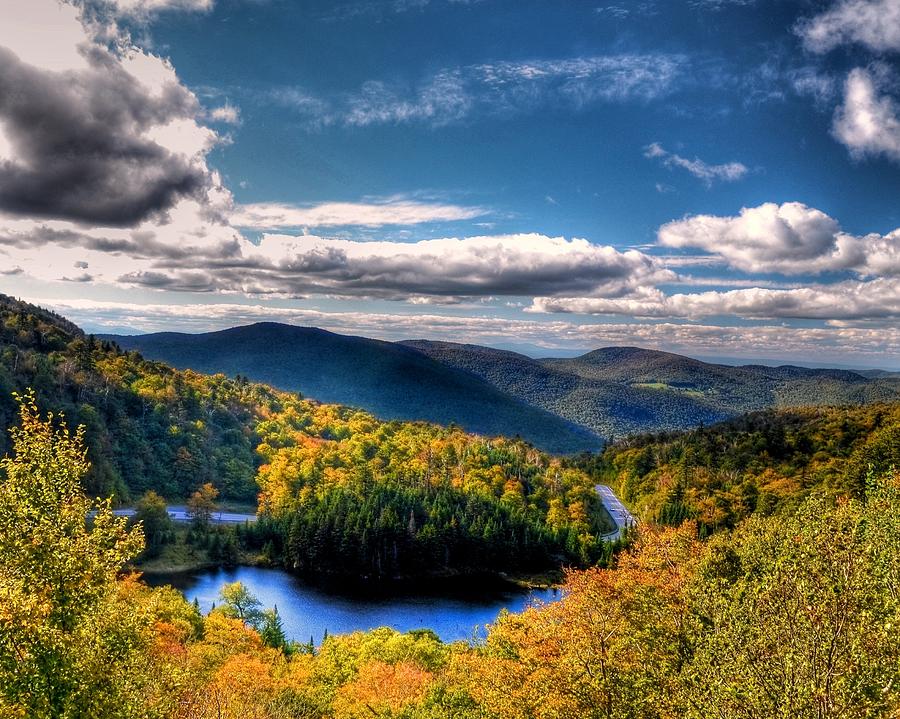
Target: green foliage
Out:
[799,614]
[345,493]
[151,511]
[761,463]
[238,602]
[147,426]
[62,623]
[272,630]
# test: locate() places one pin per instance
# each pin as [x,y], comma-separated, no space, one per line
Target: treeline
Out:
[795,618]
[760,463]
[343,492]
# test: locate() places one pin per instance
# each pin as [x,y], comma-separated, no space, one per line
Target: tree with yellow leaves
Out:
[69,648]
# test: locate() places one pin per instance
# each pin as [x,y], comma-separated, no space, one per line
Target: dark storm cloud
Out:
[79,145]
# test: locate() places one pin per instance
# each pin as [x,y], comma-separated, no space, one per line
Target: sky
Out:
[718,178]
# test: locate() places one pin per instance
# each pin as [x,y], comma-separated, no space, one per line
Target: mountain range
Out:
[561,405]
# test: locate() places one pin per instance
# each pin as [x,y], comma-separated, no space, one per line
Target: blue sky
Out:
[713,177]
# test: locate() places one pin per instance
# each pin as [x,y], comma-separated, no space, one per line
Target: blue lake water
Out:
[457,611]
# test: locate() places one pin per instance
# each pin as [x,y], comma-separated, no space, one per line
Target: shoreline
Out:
[545,579]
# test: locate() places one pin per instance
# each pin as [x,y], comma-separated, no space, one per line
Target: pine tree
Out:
[272,631]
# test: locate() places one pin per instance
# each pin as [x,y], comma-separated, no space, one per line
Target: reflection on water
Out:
[307,612]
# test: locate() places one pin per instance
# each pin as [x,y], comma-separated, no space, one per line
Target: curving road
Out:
[620,515]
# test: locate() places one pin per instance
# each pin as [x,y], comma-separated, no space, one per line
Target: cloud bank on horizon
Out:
[516,194]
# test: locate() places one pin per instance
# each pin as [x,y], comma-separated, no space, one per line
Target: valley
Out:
[560,405]
[391,546]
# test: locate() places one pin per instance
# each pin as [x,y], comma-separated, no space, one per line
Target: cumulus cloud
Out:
[790,238]
[847,301]
[88,133]
[868,123]
[216,258]
[391,211]
[509,265]
[453,94]
[874,24]
[727,172]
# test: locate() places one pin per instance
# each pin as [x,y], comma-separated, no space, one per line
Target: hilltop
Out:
[388,379]
[620,391]
[560,405]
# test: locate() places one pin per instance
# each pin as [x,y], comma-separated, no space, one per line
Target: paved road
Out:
[179,513]
[620,515]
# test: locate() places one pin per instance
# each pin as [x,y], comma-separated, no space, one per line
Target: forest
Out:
[790,618]
[760,463]
[339,487]
[763,580]
[340,491]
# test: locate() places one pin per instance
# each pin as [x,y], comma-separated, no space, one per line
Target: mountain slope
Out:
[388,379]
[147,426]
[610,392]
[759,462]
[625,390]
[609,408]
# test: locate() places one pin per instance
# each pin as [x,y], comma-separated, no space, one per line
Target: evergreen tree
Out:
[272,630]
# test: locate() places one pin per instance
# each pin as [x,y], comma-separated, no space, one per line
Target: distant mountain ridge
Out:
[560,405]
[390,380]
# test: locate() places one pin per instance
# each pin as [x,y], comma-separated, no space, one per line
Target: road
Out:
[620,515]
[179,513]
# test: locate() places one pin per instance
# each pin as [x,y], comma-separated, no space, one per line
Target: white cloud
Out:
[444,99]
[118,138]
[227,113]
[868,124]
[727,172]
[142,9]
[509,265]
[45,34]
[790,238]
[583,80]
[503,88]
[192,255]
[875,24]
[392,211]
[810,82]
[716,5]
[848,301]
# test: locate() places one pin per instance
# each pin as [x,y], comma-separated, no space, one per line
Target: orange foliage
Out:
[380,688]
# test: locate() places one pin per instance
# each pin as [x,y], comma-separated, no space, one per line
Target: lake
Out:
[453,612]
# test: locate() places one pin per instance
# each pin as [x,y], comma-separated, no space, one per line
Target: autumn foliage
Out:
[794,618]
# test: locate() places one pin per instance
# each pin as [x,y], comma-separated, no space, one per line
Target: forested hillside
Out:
[560,405]
[794,618]
[385,378]
[619,391]
[343,492]
[759,463]
[148,426]
[610,407]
